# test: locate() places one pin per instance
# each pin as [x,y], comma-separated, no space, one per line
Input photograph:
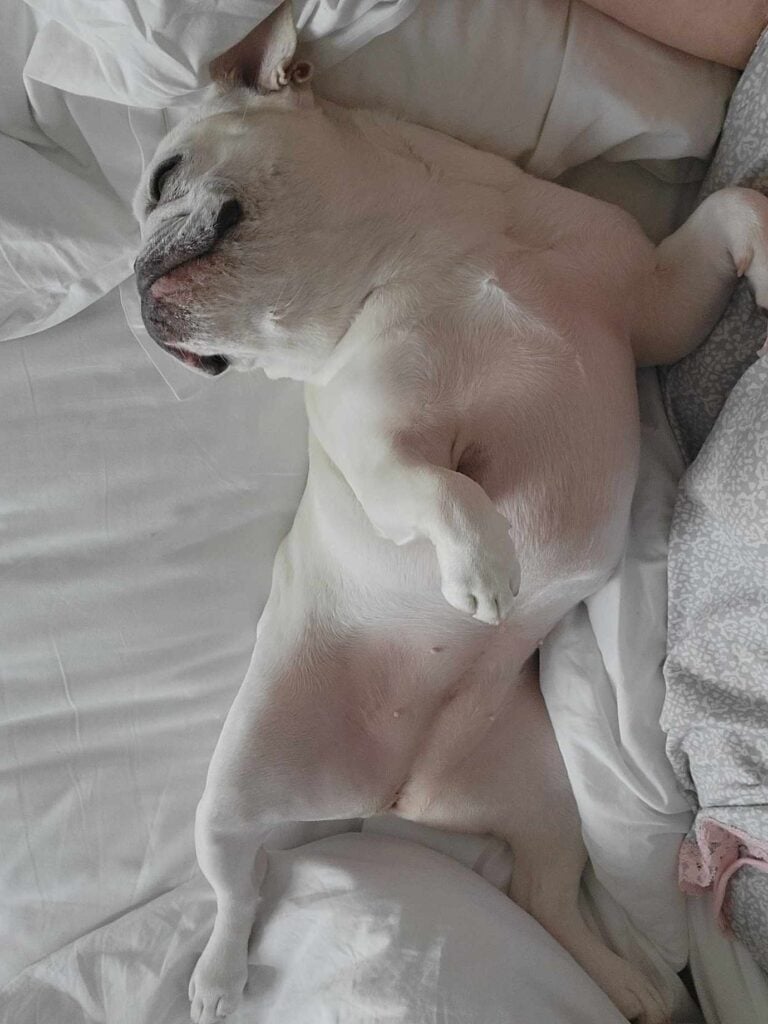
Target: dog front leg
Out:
[685,291]
[479,570]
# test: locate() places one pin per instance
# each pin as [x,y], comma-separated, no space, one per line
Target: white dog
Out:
[468,337]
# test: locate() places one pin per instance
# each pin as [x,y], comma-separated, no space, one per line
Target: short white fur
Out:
[468,337]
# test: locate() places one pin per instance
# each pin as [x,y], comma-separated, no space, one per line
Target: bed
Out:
[143,505]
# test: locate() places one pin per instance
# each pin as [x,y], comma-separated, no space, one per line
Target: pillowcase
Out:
[352,929]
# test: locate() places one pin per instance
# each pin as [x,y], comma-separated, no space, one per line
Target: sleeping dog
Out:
[468,337]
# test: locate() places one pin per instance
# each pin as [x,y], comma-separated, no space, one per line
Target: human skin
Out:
[721,30]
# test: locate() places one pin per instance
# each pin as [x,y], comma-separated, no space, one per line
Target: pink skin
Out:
[722,32]
[178,281]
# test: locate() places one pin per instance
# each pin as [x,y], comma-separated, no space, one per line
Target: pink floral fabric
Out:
[712,855]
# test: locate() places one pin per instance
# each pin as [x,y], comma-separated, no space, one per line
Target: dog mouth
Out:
[165,320]
[212,365]
[168,324]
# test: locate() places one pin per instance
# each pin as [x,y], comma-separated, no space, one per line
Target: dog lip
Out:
[212,365]
[149,267]
[170,248]
[162,333]
[166,329]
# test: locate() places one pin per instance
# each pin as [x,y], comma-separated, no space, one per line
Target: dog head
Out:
[246,212]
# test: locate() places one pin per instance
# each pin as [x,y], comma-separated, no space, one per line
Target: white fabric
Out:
[353,930]
[731,987]
[153,53]
[604,688]
[138,536]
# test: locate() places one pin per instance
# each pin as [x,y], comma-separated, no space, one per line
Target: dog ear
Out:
[265,59]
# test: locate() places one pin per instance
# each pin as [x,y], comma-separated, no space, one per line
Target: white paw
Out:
[483,580]
[757,275]
[214,993]
[634,995]
[752,254]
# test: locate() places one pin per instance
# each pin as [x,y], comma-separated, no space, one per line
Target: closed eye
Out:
[161,175]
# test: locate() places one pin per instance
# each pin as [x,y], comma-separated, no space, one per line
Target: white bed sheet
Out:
[131,526]
[138,532]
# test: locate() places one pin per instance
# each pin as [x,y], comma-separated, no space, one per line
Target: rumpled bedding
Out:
[716,710]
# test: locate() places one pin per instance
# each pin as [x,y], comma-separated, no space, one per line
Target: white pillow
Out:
[379,929]
[353,930]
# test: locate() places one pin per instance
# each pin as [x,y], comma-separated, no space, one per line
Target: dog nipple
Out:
[395,714]
[436,650]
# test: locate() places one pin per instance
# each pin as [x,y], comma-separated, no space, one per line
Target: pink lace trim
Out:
[708,862]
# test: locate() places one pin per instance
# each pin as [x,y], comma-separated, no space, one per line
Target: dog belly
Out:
[495,768]
[361,625]
[397,678]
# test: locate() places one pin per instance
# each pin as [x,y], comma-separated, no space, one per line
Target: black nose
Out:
[174,245]
[229,215]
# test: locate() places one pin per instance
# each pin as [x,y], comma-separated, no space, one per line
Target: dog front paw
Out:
[483,582]
[749,246]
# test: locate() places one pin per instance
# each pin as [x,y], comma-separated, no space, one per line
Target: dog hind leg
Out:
[232,857]
[289,751]
[240,806]
[549,857]
[515,785]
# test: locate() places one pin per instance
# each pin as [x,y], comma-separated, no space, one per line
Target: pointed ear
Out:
[264,60]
